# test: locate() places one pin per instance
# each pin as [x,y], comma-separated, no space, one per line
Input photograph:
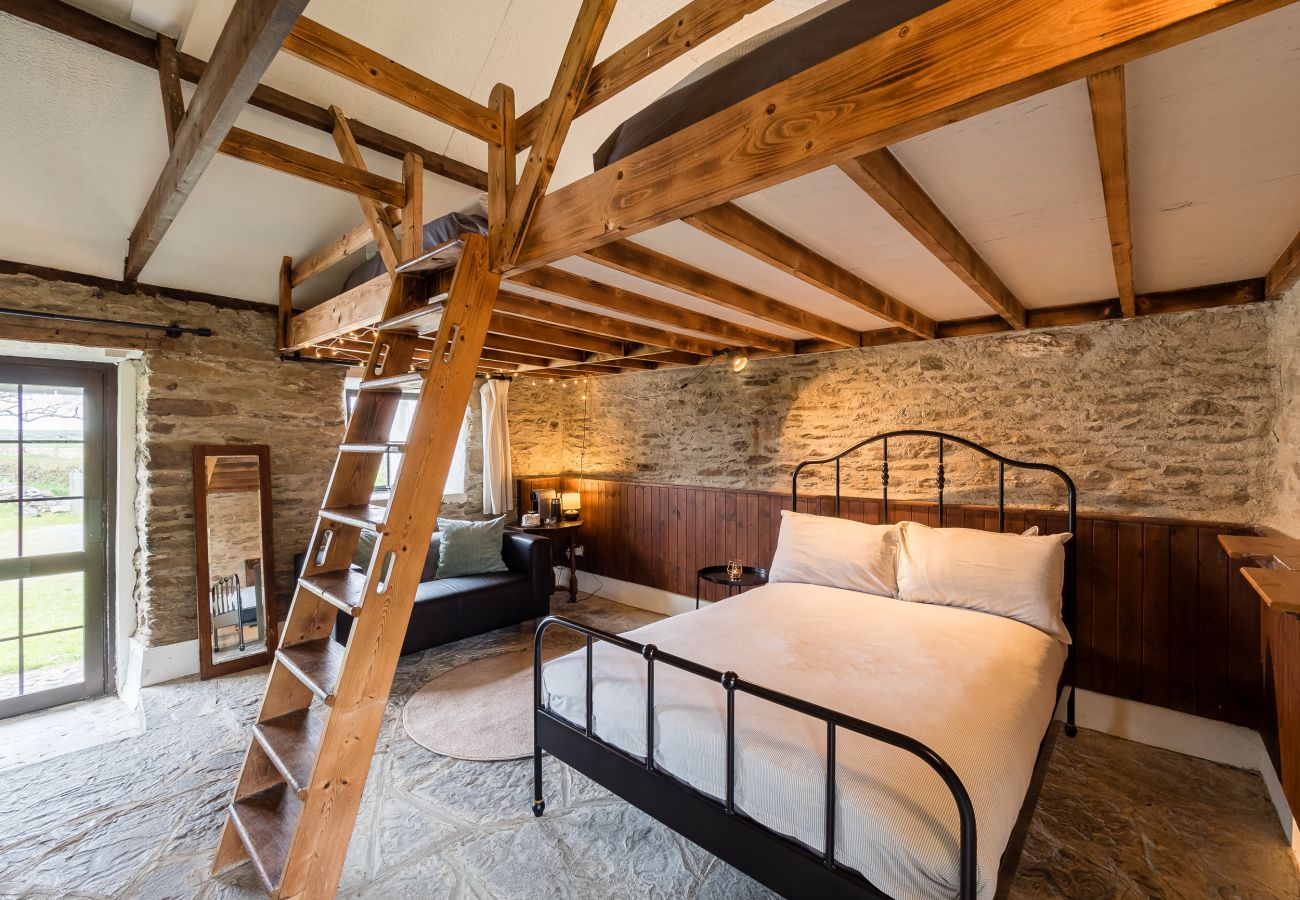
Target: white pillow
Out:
[1012,575]
[836,553]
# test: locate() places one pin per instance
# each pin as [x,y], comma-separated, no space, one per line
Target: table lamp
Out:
[571,505]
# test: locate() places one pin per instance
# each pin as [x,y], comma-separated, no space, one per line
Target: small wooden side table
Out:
[750,576]
[564,540]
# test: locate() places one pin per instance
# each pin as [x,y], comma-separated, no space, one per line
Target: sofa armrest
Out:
[530,554]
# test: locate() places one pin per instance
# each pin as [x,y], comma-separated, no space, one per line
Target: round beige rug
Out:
[482,710]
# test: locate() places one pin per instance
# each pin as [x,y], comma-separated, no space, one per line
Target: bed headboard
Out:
[1067,595]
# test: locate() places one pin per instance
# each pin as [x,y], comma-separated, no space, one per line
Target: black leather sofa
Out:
[450,609]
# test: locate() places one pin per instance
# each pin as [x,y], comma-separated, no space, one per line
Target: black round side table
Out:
[750,576]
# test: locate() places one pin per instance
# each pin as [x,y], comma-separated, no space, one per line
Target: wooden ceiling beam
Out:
[373,212]
[883,178]
[643,262]
[291,160]
[334,52]
[1285,273]
[533,347]
[340,248]
[544,332]
[750,234]
[169,79]
[68,20]
[958,59]
[557,115]
[251,37]
[588,290]
[620,329]
[1106,97]
[684,30]
[519,359]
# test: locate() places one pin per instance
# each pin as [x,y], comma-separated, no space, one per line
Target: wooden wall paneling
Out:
[1245,673]
[1083,609]
[1105,619]
[1280,712]
[1184,568]
[1155,623]
[1128,603]
[1211,652]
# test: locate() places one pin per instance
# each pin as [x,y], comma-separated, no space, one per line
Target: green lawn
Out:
[52,601]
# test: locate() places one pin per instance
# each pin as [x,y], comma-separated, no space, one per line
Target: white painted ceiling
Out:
[1214,151]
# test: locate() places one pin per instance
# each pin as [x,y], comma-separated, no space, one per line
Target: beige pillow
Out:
[836,553]
[1013,575]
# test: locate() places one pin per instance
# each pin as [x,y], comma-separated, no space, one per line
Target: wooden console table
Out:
[1276,573]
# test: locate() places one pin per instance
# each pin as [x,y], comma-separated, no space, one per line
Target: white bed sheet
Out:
[976,688]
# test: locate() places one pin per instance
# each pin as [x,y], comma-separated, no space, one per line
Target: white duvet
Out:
[976,688]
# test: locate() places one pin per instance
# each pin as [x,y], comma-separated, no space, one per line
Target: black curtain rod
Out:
[172,331]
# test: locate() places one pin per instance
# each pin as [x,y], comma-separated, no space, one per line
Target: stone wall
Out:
[1163,416]
[229,388]
[1286,350]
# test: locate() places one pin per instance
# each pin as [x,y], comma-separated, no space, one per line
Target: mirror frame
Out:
[270,608]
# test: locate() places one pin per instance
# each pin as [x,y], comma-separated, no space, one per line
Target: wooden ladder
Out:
[296,800]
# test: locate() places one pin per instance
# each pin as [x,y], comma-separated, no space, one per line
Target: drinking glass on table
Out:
[735,569]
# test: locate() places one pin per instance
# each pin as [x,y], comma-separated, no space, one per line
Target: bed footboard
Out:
[783,864]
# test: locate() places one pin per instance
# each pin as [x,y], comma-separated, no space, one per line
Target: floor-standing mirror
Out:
[232,533]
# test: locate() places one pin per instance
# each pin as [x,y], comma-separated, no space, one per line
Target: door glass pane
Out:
[8,412]
[52,526]
[8,609]
[53,660]
[52,413]
[8,469]
[8,530]
[53,470]
[53,602]
[8,668]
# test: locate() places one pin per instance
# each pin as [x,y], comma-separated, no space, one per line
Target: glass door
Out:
[53,512]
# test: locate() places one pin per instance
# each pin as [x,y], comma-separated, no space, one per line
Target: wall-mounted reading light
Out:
[736,358]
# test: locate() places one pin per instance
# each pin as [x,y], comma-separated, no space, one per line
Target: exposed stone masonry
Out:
[1286,349]
[1164,416]
[230,388]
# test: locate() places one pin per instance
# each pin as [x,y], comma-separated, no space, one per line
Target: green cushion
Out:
[365,549]
[470,548]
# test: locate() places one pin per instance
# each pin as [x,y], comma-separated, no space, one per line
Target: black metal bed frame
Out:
[783,864]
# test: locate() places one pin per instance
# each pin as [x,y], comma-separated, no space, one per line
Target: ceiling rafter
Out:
[1106,97]
[615,299]
[750,234]
[954,61]
[643,262]
[621,329]
[282,157]
[248,43]
[1285,273]
[334,52]
[885,180]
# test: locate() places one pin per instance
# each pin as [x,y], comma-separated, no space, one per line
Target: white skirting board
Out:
[154,665]
[1151,725]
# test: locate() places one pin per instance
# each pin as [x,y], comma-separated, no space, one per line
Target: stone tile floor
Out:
[139,817]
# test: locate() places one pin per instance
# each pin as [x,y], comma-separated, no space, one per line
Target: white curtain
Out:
[498,485]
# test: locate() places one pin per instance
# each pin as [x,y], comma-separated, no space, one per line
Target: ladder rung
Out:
[291,742]
[392,382]
[395,446]
[265,823]
[422,320]
[371,517]
[443,256]
[345,590]
[316,664]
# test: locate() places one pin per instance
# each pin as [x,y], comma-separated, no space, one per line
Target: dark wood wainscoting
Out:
[1163,616]
[1280,713]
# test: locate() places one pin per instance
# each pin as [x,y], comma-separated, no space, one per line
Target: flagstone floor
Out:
[138,816]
